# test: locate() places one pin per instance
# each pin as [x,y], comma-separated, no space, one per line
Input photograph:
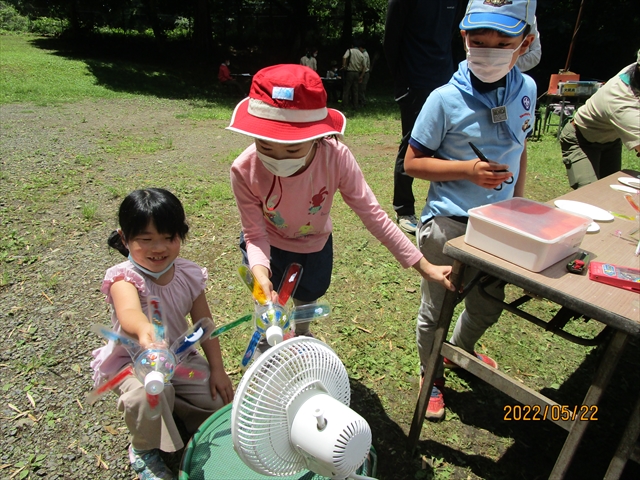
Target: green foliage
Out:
[11,20]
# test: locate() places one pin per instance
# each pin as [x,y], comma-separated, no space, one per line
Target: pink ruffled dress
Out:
[176,299]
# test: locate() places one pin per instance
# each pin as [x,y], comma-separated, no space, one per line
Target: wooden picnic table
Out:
[616,308]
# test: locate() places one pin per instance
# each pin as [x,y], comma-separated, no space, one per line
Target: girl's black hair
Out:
[142,207]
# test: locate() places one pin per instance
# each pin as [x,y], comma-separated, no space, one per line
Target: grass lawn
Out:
[99,127]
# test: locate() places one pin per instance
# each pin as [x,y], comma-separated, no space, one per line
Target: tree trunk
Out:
[202,29]
[347,24]
[152,14]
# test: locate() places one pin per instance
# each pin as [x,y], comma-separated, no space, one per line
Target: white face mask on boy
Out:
[490,64]
[284,167]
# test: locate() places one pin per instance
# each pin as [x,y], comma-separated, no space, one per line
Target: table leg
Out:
[627,444]
[435,357]
[610,359]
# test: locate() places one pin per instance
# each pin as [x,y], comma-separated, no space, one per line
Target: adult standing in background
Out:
[353,66]
[592,142]
[362,89]
[225,78]
[417,44]
[309,59]
[532,56]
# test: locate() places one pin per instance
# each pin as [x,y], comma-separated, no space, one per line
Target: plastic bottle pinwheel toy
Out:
[157,365]
[273,320]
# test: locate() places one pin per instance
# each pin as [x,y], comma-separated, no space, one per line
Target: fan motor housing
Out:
[343,443]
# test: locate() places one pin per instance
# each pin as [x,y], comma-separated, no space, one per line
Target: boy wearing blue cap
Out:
[491,104]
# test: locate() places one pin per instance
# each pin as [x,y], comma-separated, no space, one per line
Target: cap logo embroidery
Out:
[497,3]
[282,93]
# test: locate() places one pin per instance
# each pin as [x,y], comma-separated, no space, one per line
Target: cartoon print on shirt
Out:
[305,230]
[525,125]
[317,200]
[272,202]
[276,219]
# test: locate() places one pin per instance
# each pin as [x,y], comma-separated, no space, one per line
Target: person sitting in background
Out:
[225,78]
[333,86]
[592,142]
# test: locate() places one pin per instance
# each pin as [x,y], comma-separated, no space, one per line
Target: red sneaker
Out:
[435,408]
[485,358]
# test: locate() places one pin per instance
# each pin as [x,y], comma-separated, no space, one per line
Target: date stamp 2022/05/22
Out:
[550,412]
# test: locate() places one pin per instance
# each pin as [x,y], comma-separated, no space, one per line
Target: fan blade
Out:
[289,283]
[250,281]
[224,328]
[155,314]
[193,373]
[309,312]
[191,338]
[253,343]
[129,343]
[93,396]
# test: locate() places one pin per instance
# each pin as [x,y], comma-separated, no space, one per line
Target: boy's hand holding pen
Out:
[490,174]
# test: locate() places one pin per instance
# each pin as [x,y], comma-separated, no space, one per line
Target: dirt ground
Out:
[62,170]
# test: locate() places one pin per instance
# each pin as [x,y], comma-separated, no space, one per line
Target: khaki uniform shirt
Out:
[355,63]
[612,112]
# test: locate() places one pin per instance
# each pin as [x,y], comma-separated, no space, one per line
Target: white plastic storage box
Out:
[530,234]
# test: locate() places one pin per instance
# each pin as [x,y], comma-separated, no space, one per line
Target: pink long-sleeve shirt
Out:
[292,213]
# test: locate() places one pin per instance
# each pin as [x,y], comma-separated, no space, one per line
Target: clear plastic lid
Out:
[534,219]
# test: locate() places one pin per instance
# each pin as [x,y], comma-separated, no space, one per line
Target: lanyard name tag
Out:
[499,114]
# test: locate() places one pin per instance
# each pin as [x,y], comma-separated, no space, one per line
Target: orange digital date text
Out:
[550,412]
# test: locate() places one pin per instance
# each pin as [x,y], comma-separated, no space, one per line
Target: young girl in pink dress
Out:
[152,228]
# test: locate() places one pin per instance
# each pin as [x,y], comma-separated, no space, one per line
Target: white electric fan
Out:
[291,413]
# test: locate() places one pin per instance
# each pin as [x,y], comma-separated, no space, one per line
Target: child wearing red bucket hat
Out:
[284,184]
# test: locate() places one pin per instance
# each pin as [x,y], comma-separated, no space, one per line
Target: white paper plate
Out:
[593,227]
[630,182]
[591,211]
[624,188]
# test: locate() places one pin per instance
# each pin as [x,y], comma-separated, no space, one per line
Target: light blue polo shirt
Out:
[456,114]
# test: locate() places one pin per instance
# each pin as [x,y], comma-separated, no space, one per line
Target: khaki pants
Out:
[587,161]
[190,401]
[478,315]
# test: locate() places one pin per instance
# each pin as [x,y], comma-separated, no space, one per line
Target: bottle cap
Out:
[274,335]
[154,383]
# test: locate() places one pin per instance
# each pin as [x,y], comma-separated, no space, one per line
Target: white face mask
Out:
[284,167]
[490,64]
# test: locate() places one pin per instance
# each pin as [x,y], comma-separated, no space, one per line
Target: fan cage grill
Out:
[260,428]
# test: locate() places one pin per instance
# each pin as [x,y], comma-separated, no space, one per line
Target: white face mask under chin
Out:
[490,64]
[284,167]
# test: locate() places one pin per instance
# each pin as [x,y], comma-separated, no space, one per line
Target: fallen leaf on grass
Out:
[13,407]
[101,463]
[111,430]
[33,402]
[363,329]
[390,345]
[410,289]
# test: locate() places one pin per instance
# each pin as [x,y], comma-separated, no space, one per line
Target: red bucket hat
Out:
[287,104]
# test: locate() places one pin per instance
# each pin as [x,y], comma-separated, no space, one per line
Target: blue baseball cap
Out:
[507,16]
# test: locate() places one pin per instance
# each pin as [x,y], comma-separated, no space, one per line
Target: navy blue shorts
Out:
[316,269]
